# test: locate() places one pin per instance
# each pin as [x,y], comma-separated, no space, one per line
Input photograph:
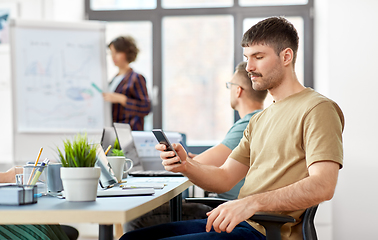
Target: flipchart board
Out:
[54,67]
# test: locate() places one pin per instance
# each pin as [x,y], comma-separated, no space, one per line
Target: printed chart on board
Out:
[54,72]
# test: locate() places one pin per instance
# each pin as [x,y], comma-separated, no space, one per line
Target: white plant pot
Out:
[80,183]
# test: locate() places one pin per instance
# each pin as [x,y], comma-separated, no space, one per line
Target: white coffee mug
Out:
[117,163]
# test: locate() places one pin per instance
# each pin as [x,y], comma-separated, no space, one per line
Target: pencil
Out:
[36,163]
[39,171]
[107,150]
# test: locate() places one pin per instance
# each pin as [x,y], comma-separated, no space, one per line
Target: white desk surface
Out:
[105,210]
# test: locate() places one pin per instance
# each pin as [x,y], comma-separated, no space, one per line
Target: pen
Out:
[39,171]
[107,150]
[97,88]
[35,164]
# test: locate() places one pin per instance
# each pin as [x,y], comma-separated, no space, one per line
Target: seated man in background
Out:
[247,102]
[42,232]
[290,153]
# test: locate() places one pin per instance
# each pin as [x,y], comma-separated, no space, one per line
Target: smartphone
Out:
[162,139]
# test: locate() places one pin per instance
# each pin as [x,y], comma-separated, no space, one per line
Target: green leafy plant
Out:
[117,152]
[116,145]
[78,153]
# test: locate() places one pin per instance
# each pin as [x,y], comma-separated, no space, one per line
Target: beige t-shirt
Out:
[281,142]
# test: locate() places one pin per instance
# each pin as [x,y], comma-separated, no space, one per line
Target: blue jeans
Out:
[193,229]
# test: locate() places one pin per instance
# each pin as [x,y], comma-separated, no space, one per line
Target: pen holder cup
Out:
[31,172]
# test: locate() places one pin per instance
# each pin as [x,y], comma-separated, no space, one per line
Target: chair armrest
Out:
[271,222]
[271,217]
[211,202]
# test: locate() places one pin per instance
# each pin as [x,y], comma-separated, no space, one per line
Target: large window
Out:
[197,61]
[141,31]
[190,49]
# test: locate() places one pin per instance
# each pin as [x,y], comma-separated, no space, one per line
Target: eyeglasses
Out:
[228,85]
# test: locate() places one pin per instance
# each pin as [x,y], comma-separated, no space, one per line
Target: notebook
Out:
[117,191]
[155,173]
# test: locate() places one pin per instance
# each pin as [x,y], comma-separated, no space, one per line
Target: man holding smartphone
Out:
[290,154]
[247,102]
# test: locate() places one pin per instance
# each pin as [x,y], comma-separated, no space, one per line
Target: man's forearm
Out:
[208,177]
[300,195]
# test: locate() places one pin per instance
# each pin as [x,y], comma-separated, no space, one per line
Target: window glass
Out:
[196,3]
[299,66]
[98,5]
[142,33]
[245,3]
[197,61]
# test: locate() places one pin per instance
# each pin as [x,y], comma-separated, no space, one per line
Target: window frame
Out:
[238,12]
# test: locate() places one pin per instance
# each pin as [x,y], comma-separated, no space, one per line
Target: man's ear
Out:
[287,56]
[239,91]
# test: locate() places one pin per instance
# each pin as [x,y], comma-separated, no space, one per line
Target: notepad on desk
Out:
[114,192]
[143,185]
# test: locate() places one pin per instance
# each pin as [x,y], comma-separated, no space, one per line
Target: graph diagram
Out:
[54,81]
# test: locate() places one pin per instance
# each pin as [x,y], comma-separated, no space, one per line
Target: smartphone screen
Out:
[162,139]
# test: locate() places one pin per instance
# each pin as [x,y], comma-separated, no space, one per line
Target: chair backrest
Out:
[308,227]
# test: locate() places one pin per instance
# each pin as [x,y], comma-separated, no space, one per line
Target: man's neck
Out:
[244,109]
[288,87]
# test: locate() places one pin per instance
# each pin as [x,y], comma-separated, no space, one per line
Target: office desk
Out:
[105,211]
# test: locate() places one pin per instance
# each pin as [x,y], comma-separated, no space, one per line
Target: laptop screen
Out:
[108,138]
[126,141]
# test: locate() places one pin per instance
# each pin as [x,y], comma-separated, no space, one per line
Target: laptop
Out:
[108,138]
[126,142]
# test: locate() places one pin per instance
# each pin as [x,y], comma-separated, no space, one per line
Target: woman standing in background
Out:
[127,90]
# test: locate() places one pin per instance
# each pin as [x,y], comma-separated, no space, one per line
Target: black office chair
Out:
[71,232]
[271,222]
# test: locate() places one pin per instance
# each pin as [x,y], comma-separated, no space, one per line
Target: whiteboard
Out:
[54,65]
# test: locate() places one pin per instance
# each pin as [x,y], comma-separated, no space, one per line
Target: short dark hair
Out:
[127,45]
[276,32]
[245,82]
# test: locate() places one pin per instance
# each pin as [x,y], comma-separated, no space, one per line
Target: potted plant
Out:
[79,174]
[117,153]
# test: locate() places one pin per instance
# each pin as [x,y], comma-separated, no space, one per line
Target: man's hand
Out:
[226,216]
[170,161]
[192,155]
[115,98]
[10,175]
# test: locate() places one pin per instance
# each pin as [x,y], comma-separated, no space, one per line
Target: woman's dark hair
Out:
[126,45]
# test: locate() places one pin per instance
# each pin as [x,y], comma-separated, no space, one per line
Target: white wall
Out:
[346,50]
